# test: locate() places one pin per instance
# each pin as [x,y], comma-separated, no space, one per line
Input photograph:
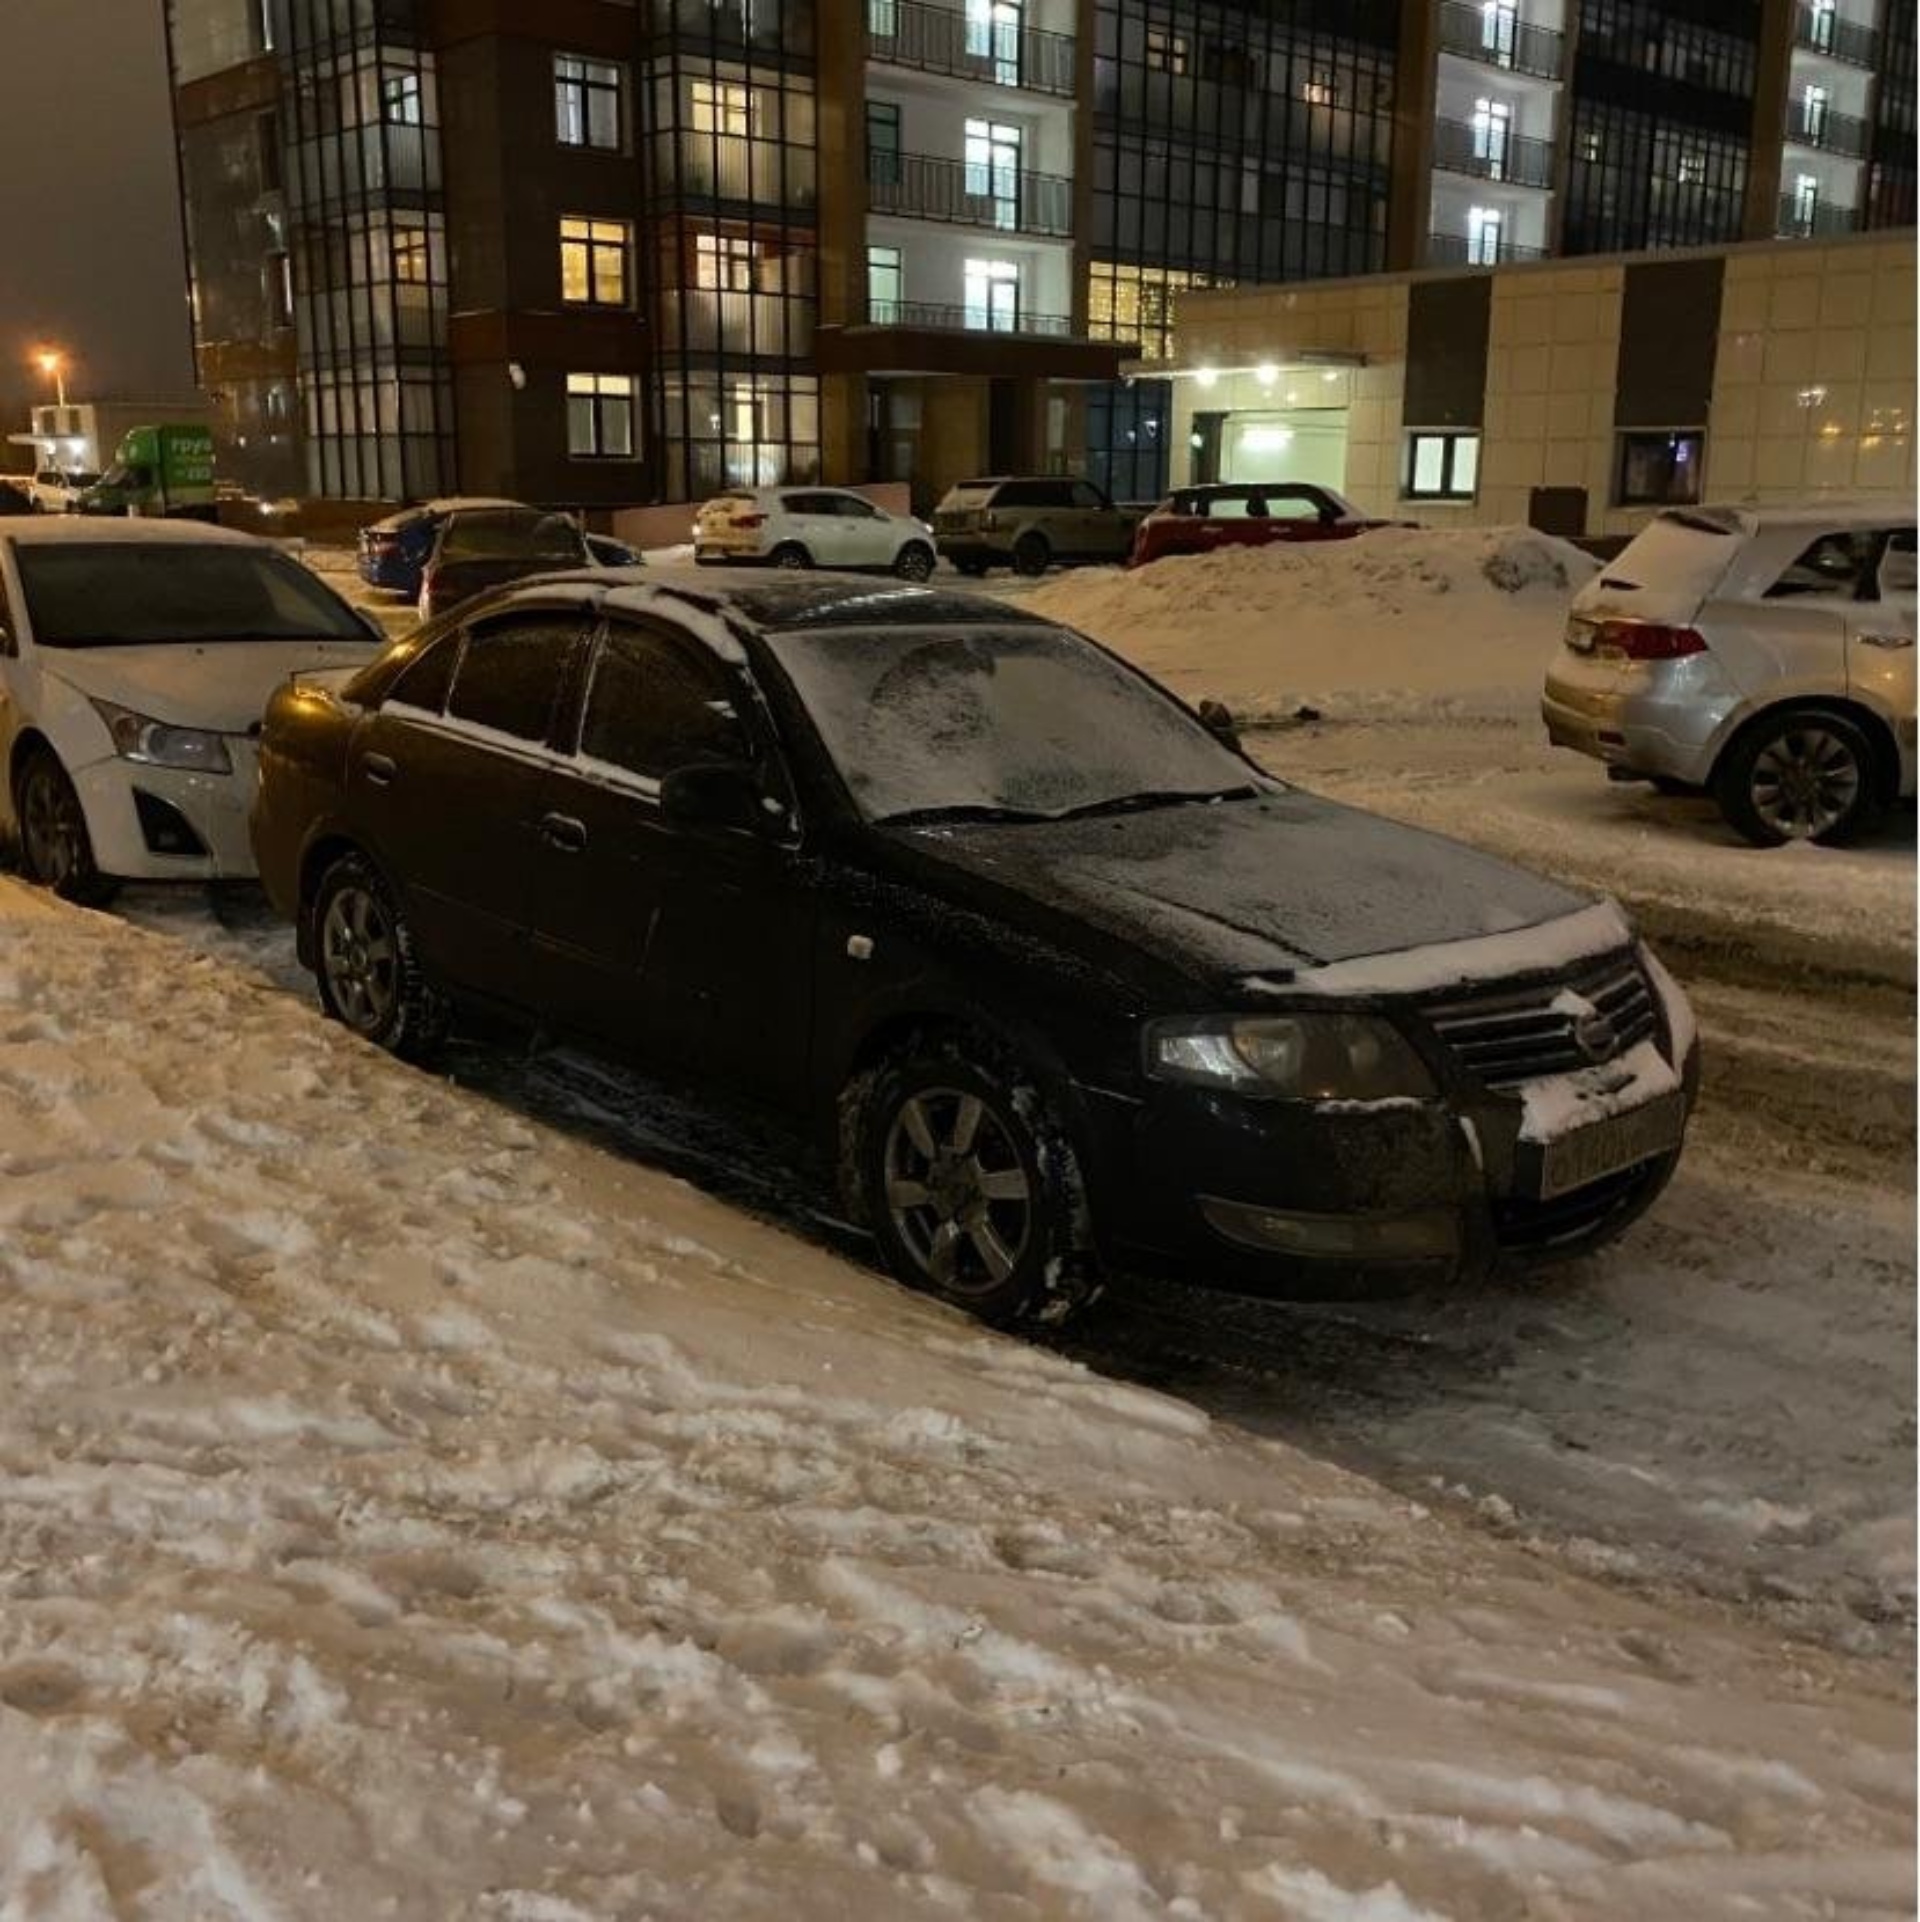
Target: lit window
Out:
[1492,127]
[723,107]
[884,283]
[588,102]
[1166,52]
[1136,303]
[1317,88]
[400,97]
[723,263]
[993,295]
[1442,467]
[1690,167]
[1660,469]
[410,263]
[1484,226]
[593,262]
[600,416]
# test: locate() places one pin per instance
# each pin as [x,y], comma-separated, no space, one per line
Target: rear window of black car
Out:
[146,593]
[541,537]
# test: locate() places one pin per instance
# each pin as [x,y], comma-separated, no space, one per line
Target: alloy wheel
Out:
[361,955]
[956,1189]
[1804,782]
[52,826]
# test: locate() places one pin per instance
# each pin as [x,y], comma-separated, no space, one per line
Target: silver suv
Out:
[1030,524]
[1764,654]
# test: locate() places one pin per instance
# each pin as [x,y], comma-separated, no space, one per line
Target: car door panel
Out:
[682,945]
[447,799]
[1881,632]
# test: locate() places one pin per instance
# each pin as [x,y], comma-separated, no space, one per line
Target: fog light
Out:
[164,828]
[1429,1236]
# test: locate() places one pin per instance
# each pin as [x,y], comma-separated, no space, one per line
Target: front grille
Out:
[1567,1220]
[1508,1036]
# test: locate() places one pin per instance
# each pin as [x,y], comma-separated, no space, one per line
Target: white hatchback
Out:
[136,660]
[811,527]
[1765,654]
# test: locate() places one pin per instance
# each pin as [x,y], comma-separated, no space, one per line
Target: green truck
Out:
[161,470]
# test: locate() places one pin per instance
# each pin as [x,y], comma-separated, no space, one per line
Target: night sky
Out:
[89,214]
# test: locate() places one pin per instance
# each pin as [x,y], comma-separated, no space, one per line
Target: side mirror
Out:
[715,794]
[1217,718]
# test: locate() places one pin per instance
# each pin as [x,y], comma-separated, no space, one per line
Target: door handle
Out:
[562,831]
[380,768]
[1885,640]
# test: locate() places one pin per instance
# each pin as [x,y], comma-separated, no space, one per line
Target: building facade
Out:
[1576,395]
[609,252]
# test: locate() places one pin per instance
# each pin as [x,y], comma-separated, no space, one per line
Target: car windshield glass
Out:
[543,537]
[1026,721]
[139,593]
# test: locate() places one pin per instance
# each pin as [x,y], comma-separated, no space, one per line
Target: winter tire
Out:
[1031,555]
[914,562]
[969,1183]
[790,554]
[370,975]
[55,848]
[1802,775]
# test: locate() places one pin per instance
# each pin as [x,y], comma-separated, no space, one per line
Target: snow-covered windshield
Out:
[1015,720]
[129,593]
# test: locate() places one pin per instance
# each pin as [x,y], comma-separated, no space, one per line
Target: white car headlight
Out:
[1297,1057]
[137,737]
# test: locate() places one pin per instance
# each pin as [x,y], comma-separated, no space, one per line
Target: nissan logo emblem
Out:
[1594,1035]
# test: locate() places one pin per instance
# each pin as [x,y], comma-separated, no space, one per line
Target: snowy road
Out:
[1724,1401]
[408,1508]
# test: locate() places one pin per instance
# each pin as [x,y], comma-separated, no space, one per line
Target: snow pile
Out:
[1401,621]
[411,1511]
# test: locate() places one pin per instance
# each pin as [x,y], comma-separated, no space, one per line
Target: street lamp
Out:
[54,366]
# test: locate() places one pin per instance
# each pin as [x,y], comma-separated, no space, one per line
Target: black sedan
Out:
[1053,977]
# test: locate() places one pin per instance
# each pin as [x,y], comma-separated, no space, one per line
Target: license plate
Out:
[1605,1147]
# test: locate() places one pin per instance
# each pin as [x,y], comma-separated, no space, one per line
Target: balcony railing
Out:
[1492,154]
[1831,132]
[970,320]
[1820,221]
[1460,250]
[1822,31]
[908,33]
[1499,40]
[931,187]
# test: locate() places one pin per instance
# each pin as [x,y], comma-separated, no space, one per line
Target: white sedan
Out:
[811,527]
[136,659]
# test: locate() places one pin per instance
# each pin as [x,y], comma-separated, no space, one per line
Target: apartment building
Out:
[610,252]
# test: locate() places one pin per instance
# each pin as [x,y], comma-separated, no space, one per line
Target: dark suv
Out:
[1052,975]
[1030,525]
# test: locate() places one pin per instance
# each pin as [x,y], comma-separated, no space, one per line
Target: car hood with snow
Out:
[1271,885]
[221,685]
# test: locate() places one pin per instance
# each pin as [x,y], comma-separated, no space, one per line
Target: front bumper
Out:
[1337,1201]
[1642,717]
[132,841]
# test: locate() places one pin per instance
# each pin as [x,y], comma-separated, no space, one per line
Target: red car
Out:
[1196,520]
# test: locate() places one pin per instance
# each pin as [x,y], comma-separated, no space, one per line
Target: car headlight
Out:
[136,737]
[1295,1057]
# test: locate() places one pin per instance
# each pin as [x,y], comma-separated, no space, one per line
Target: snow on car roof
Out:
[1867,509]
[99,530]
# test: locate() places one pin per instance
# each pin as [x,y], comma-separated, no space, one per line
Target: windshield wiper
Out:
[1156,798]
[959,811]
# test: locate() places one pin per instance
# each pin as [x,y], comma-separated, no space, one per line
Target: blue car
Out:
[394,552]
